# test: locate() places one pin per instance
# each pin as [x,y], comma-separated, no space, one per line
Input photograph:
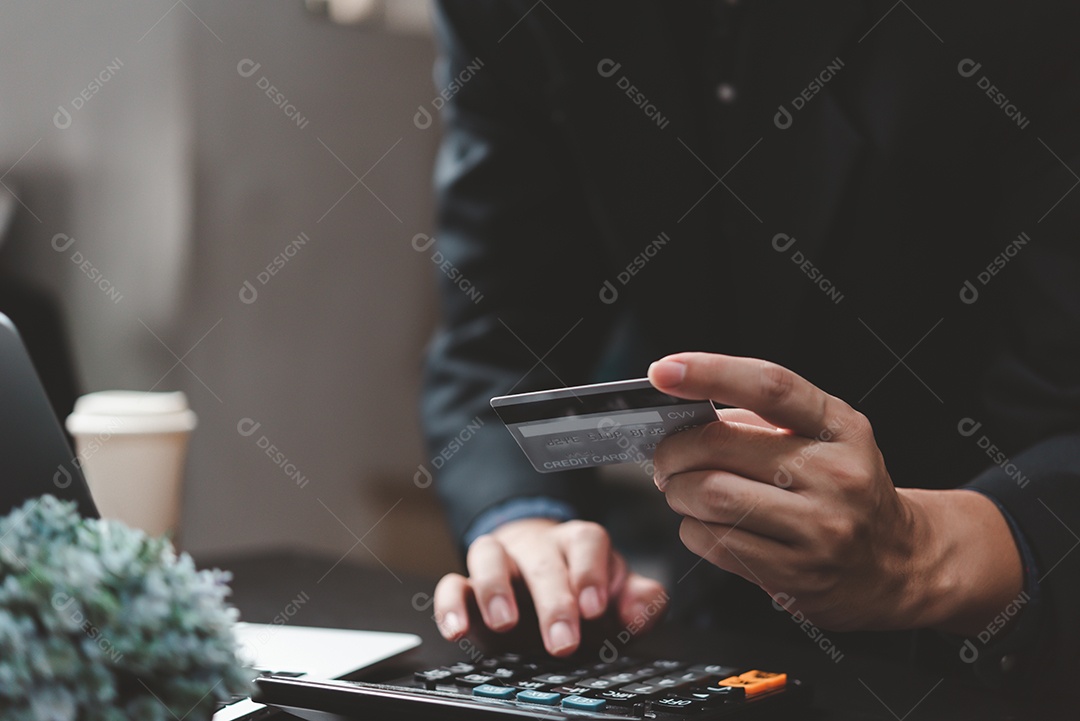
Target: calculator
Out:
[516,686]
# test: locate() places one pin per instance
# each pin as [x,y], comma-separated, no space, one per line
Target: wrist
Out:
[965,566]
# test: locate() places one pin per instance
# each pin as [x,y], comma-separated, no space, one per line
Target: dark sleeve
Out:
[517,259]
[1031,430]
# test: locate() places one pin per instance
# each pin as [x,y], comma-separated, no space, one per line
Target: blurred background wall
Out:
[143,134]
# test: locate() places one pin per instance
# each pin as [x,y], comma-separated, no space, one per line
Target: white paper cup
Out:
[132,447]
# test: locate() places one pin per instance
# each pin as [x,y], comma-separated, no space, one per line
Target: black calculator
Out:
[512,685]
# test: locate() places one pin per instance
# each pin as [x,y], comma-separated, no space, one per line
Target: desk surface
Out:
[315,591]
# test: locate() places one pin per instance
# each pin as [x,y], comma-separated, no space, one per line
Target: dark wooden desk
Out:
[313,591]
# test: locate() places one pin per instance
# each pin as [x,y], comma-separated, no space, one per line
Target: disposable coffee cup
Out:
[132,446]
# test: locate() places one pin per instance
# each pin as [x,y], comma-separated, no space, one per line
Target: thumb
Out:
[642,603]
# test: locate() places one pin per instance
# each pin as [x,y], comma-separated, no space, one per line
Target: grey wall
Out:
[180,180]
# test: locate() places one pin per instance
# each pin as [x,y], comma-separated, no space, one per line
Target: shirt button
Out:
[725,93]
[1008,663]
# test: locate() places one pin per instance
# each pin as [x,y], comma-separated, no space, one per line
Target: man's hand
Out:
[790,491]
[570,570]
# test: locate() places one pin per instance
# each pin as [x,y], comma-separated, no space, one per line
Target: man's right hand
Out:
[570,570]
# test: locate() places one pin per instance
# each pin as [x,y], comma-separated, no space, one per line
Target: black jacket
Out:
[881,200]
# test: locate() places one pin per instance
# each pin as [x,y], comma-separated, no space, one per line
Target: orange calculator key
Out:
[755,682]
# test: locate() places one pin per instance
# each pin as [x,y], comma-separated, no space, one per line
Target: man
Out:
[859,216]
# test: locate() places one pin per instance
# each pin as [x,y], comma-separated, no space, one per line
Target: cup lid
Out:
[131,412]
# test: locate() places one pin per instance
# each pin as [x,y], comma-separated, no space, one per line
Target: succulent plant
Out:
[100,622]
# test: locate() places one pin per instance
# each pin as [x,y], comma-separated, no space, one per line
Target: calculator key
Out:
[486,690]
[545,698]
[643,689]
[665,682]
[584,703]
[724,693]
[556,678]
[433,676]
[526,685]
[677,704]
[460,669]
[616,697]
[503,673]
[756,682]
[510,659]
[573,690]
[689,676]
[629,676]
[715,669]
[702,696]
[597,683]
[476,679]
[667,665]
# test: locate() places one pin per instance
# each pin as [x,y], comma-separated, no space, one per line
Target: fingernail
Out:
[451,625]
[561,636]
[667,372]
[499,612]
[660,482]
[591,604]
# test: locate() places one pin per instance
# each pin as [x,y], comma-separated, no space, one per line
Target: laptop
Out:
[38,460]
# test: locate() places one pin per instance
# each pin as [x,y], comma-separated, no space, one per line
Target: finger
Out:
[451,606]
[740,552]
[587,549]
[728,499]
[743,416]
[491,573]
[617,572]
[642,603]
[749,451]
[775,393]
[544,570]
